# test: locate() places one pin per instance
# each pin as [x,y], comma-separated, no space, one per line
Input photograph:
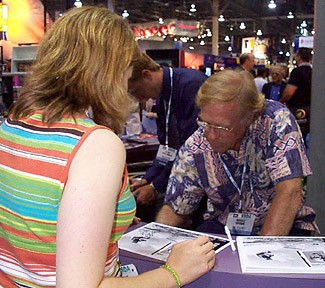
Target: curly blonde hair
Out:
[80,63]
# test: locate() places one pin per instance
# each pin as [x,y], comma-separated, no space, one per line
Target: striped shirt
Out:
[34,165]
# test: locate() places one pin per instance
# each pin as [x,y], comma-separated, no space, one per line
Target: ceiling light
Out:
[193,9]
[191,47]
[227,38]
[259,32]
[242,26]
[202,43]
[229,49]
[77,3]
[287,53]
[290,15]
[221,18]
[272,4]
[125,14]
[283,41]
[161,21]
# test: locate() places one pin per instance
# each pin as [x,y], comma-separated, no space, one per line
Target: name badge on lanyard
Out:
[239,223]
[166,155]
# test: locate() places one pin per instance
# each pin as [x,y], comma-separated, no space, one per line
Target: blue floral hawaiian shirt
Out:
[272,151]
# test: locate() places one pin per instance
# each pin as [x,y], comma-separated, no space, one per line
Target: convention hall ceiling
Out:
[254,13]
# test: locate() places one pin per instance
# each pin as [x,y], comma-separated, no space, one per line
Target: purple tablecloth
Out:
[227,273]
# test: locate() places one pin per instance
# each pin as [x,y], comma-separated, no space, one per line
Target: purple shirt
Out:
[274,151]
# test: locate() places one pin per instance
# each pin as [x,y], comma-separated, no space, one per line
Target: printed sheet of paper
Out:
[264,254]
[156,240]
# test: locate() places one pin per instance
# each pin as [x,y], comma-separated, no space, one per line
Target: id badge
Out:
[129,270]
[240,223]
[165,155]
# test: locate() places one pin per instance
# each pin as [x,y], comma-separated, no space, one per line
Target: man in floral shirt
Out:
[247,157]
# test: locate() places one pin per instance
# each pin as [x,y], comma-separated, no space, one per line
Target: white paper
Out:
[262,254]
[155,240]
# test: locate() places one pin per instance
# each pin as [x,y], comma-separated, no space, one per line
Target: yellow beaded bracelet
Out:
[172,271]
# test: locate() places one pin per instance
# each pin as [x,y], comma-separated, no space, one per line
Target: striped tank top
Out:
[34,165]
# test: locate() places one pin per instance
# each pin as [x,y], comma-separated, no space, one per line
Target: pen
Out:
[233,248]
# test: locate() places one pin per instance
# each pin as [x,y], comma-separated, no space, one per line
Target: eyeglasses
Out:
[205,126]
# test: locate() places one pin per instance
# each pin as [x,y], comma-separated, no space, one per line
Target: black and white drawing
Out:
[281,254]
[156,240]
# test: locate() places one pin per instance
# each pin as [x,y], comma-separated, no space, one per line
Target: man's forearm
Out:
[287,93]
[281,214]
[167,216]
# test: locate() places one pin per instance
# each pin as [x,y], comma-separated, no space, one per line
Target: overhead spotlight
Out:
[283,41]
[202,43]
[242,26]
[227,38]
[272,4]
[191,47]
[221,18]
[259,32]
[290,15]
[161,21]
[287,53]
[77,3]
[229,49]
[303,24]
[192,9]
[125,14]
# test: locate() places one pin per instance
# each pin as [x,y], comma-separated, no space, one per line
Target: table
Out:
[227,273]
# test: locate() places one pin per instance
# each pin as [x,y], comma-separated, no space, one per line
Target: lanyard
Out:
[240,190]
[169,104]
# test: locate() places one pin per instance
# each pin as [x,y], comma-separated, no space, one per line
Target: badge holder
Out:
[240,223]
[165,155]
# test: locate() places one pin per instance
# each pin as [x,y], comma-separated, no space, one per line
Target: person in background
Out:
[247,157]
[260,79]
[247,63]
[133,123]
[64,192]
[274,90]
[149,116]
[174,90]
[297,94]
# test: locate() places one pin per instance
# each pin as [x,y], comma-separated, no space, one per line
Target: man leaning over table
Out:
[174,90]
[247,157]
